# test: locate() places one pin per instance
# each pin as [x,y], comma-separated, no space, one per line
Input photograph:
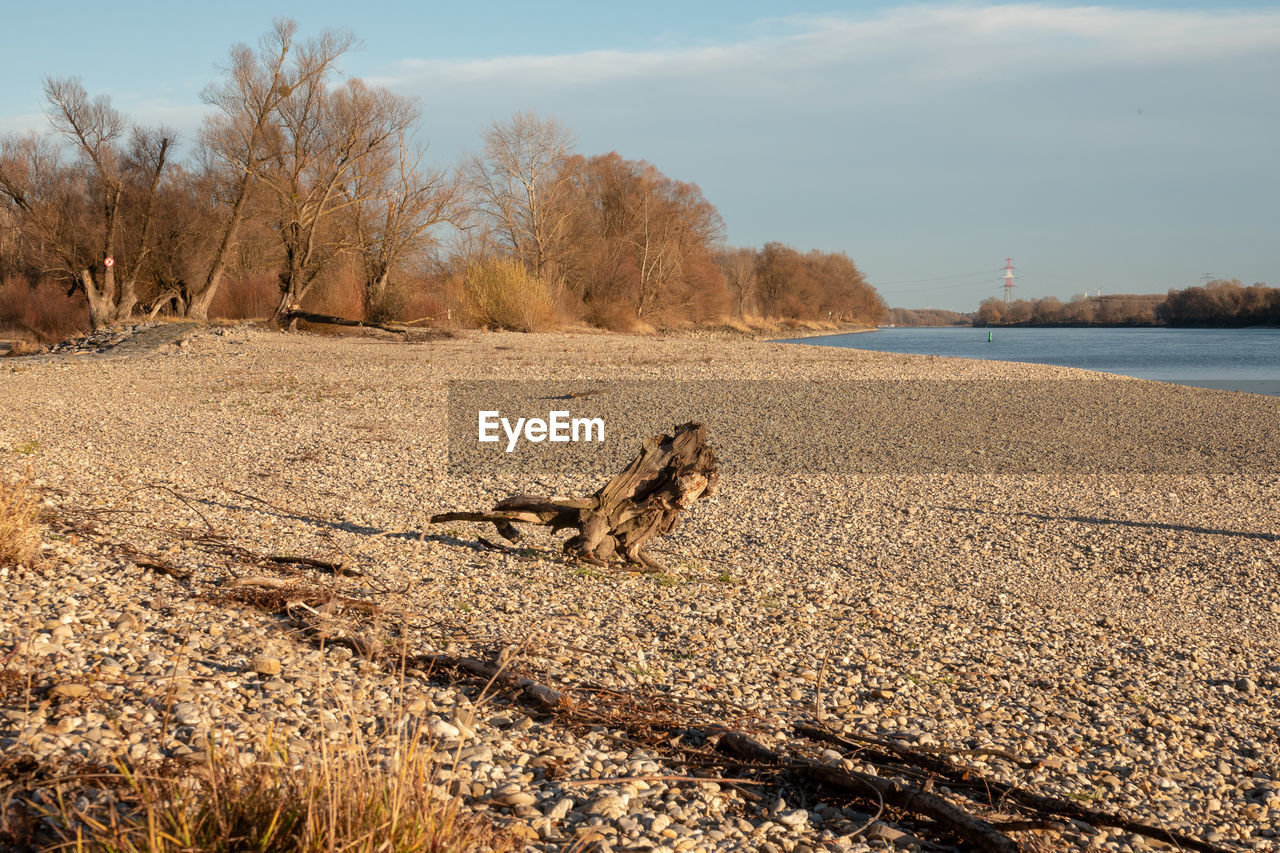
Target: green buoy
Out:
[988,336]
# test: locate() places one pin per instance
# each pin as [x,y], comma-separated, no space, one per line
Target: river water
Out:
[1233,359]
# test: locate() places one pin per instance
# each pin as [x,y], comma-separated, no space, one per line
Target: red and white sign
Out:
[110,262]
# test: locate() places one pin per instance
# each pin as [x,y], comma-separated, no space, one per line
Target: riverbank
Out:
[1117,630]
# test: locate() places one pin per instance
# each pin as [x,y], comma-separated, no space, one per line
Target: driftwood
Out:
[998,791]
[643,501]
[292,317]
[976,831]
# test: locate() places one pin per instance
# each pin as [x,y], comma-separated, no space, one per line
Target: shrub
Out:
[504,295]
[44,313]
[19,522]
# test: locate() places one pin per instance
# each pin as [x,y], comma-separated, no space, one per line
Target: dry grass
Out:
[502,294]
[42,314]
[343,799]
[19,521]
[25,347]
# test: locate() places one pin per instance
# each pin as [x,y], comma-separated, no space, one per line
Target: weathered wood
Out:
[976,831]
[644,500]
[998,791]
[291,317]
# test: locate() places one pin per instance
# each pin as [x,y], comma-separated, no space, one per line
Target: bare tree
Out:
[739,268]
[325,140]
[76,216]
[396,203]
[672,221]
[518,185]
[639,244]
[240,136]
[94,127]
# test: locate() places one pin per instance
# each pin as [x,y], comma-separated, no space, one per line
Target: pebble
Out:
[267,666]
[69,690]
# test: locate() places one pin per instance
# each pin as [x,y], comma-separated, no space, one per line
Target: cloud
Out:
[943,43]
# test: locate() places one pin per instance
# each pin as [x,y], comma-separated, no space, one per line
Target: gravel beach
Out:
[1113,627]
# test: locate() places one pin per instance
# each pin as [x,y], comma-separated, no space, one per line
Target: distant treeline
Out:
[304,192]
[1217,303]
[778,281]
[927,317]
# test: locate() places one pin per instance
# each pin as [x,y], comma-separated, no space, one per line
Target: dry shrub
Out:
[503,294]
[419,306]
[342,799]
[410,301]
[339,292]
[19,522]
[246,298]
[25,347]
[45,313]
[616,316]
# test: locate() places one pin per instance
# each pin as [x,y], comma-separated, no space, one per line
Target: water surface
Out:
[1232,359]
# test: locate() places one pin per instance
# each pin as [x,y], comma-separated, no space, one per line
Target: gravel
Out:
[1118,628]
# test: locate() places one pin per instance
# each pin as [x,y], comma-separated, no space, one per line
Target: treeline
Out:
[1222,303]
[1218,303]
[778,281]
[305,192]
[927,317]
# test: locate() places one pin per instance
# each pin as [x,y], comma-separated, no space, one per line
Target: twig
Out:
[338,568]
[209,525]
[619,780]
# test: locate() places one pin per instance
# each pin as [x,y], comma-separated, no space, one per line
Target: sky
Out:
[1126,147]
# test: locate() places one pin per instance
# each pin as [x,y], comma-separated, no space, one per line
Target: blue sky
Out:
[1127,147]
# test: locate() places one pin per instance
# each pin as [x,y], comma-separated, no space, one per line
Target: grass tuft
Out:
[20,527]
[344,799]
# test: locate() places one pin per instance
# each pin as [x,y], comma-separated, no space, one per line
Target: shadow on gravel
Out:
[1153,525]
[351,527]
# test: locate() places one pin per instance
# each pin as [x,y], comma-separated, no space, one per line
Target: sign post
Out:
[109,262]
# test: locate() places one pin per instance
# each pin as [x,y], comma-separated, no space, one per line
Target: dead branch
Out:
[1046,805]
[338,568]
[329,320]
[894,793]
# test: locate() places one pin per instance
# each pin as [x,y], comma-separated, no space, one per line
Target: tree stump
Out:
[643,501]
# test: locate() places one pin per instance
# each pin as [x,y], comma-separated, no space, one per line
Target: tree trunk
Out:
[643,501]
[101,310]
[198,303]
[128,299]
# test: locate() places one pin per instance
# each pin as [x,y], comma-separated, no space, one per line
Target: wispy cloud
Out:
[953,42]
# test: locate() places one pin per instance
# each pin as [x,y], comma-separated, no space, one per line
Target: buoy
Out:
[988,336]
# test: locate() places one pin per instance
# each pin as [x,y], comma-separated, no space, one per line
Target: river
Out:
[1232,359]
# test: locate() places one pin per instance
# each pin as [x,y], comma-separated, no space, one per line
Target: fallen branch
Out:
[1001,791]
[338,568]
[540,694]
[330,320]
[976,831]
[619,780]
